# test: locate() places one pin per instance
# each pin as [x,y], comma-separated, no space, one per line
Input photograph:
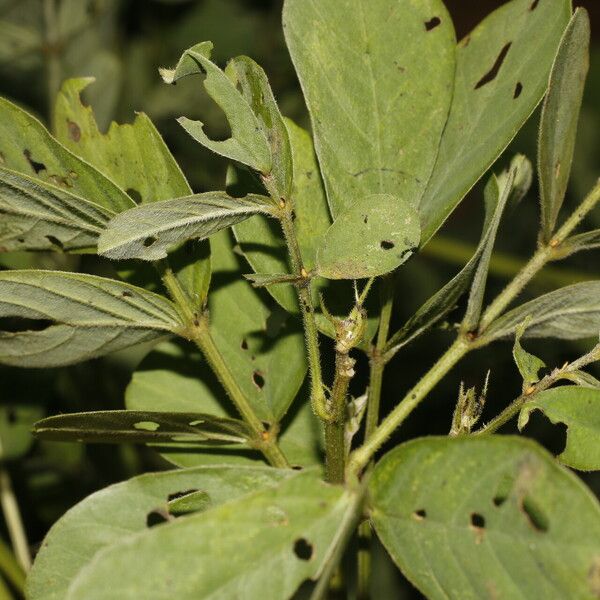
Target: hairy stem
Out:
[335,450]
[311,333]
[361,457]
[197,330]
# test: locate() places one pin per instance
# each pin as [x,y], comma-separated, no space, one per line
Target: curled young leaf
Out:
[579,409]
[560,113]
[373,236]
[149,231]
[40,216]
[247,144]
[529,365]
[63,318]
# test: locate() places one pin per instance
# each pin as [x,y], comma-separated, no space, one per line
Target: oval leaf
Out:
[373,236]
[579,409]
[70,317]
[469,518]
[560,113]
[147,232]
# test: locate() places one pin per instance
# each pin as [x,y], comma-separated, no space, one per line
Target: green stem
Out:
[311,332]
[364,561]
[361,457]
[197,330]
[10,568]
[14,523]
[543,255]
[52,54]
[335,451]
[377,361]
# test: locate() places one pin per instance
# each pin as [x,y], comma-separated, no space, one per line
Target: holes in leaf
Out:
[176,495]
[303,549]
[157,517]
[244,344]
[499,500]
[36,166]
[387,245]
[432,23]
[149,241]
[11,415]
[518,90]
[55,241]
[365,219]
[477,521]
[127,294]
[13,325]
[493,72]
[74,130]
[535,516]
[534,5]
[258,380]
[134,195]
[420,514]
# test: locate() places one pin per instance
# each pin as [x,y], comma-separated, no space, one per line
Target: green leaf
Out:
[377,79]
[40,216]
[259,280]
[261,239]
[254,86]
[147,232]
[133,155]
[491,517]
[176,378]
[262,545]
[247,144]
[570,313]
[376,234]
[501,74]
[581,378]
[71,317]
[560,113]
[143,427]
[529,365]
[579,409]
[123,510]
[27,147]
[16,422]
[589,240]
[496,194]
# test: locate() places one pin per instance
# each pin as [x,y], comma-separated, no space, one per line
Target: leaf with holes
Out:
[149,231]
[470,518]
[129,508]
[579,409]
[560,113]
[254,86]
[501,74]
[40,216]
[133,155]
[27,147]
[63,318]
[374,236]
[377,79]
[260,545]
[143,427]
[247,144]
[261,240]
[570,313]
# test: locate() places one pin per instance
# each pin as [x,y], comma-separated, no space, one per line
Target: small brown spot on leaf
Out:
[74,130]
[557,170]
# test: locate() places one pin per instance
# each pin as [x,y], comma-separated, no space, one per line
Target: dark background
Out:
[122,43]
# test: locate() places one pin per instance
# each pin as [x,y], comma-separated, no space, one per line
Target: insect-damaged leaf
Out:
[373,236]
[143,427]
[255,88]
[124,510]
[149,231]
[377,79]
[259,545]
[560,113]
[133,155]
[247,144]
[528,364]
[579,409]
[501,74]
[62,318]
[470,518]
[570,313]
[40,216]
[27,147]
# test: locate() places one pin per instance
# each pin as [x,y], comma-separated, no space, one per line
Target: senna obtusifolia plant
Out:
[241,288]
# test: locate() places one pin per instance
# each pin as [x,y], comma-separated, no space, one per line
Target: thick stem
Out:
[361,457]
[197,330]
[311,332]
[335,451]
